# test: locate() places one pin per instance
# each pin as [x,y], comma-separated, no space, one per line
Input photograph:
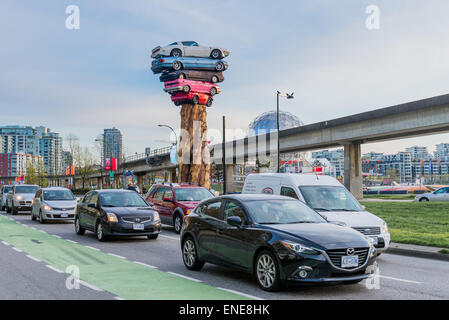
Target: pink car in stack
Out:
[183,85]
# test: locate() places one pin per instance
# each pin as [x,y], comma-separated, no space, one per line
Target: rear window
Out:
[192,194]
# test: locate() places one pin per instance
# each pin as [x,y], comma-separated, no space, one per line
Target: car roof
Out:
[178,185]
[55,188]
[252,197]
[113,190]
[26,185]
[297,179]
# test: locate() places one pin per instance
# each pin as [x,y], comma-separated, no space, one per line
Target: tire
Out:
[186,88]
[100,232]
[8,209]
[33,217]
[195,99]
[177,66]
[209,102]
[182,76]
[14,210]
[177,103]
[213,91]
[379,253]
[216,54]
[152,236]
[177,223]
[423,200]
[41,219]
[214,79]
[176,53]
[267,271]
[190,255]
[3,208]
[78,229]
[219,66]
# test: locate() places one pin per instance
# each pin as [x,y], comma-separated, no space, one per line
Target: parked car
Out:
[174,201]
[192,98]
[326,195]
[20,198]
[278,239]
[441,194]
[113,212]
[3,193]
[208,76]
[183,85]
[55,203]
[180,63]
[189,49]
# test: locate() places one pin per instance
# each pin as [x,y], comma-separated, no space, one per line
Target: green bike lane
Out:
[121,277]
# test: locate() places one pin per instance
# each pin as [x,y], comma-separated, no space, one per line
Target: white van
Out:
[327,196]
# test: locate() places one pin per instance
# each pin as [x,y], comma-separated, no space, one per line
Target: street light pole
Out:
[288,96]
[176,137]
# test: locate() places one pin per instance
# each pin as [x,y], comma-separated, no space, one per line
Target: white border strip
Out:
[183,276]
[84,283]
[240,293]
[145,265]
[53,268]
[116,255]
[96,249]
[33,258]
[397,279]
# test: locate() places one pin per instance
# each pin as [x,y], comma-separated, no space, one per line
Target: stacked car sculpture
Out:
[190,72]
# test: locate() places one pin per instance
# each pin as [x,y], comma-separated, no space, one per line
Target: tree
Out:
[83,162]
[36,174]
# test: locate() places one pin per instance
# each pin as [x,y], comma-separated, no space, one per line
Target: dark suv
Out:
[173,201]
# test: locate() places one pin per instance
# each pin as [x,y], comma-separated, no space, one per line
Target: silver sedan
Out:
[441,194]
[189,49]
[54,203]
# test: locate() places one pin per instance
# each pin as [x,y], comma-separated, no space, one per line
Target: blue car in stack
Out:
[179,63]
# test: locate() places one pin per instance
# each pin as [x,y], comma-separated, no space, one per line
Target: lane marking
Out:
[17,249]
[116,255]
[90,286]
[146,265]
[33,258]
[53,268]
[5,243]
[240,293]
[183,276]
[169,237]
[96,249]
[56,236]
[71,241]
[397,279]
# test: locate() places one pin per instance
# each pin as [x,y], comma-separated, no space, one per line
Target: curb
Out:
[418,254]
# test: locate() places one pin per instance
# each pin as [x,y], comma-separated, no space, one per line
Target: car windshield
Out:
[57,195]
[329,198]
[27,189]
[282,212]
[192,194]
[122,199]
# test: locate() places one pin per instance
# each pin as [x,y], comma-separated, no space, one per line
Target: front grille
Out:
[335,256]
[137,219]
[24,203]
[64,209]
[69,216]
[368,231]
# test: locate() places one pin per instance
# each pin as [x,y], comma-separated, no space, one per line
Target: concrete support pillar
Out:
[353,177]
[140,181]
[230,171]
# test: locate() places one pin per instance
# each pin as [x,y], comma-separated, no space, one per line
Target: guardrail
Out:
[142,156]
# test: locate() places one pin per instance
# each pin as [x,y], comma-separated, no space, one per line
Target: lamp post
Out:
[176,145]
[288,96]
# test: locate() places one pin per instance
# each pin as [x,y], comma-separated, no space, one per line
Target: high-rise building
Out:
[112,145]
[442,151]
[15,164]
[336,159]
[419,153]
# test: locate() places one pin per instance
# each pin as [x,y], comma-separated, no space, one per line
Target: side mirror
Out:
[234,221]
[92,205]
[167,199]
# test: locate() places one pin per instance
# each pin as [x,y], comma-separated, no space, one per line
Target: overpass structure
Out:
[417,118]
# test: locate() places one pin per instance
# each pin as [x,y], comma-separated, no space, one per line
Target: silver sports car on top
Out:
[189,49]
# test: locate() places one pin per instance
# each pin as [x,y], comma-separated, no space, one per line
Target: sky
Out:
[98,76]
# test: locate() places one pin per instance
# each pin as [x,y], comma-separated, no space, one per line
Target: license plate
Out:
[138,226]
[376,240]
[349,261]
[64,215]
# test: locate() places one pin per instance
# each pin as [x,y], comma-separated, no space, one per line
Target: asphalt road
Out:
[22,277]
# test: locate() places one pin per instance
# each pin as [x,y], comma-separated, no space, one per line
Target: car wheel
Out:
[182,76]
[186,88]
[33,217]
[176,53]
[214,79]
[177,103]
[267,271]
[152,236]
[195,99]
[219,66]
[209,102]
[78,229]
[190,255]
[14,210]
[213,91]
[215,54]
[177,65]
[41,218]
[3,208]
[100,232]
[8,209]
[177,223]
[423,200]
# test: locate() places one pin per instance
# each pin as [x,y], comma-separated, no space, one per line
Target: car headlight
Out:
[384,228]
[19,198]
[370,241]
[156,217]
[298,248]
[47,208]
[111,217]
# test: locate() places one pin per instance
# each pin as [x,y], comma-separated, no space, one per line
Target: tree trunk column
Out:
[193,154]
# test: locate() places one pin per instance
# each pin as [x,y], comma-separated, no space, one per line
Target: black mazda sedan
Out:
[278,239]
[116,213]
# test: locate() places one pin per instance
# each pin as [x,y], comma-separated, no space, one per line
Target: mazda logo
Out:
[350,251]
[137,220]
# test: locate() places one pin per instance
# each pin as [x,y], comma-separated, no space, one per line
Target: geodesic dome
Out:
[266,122]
